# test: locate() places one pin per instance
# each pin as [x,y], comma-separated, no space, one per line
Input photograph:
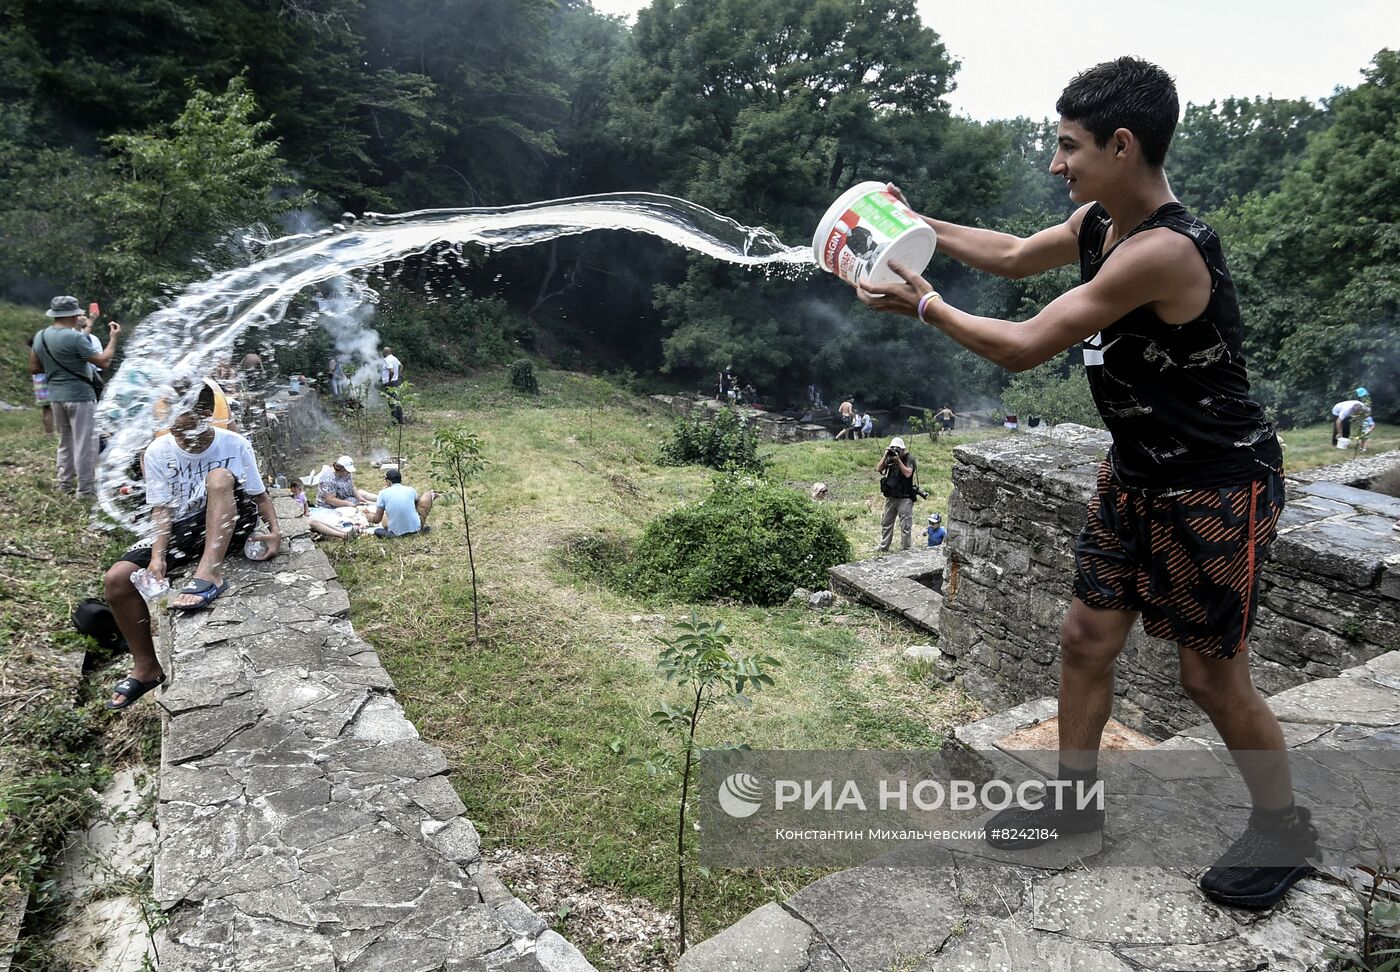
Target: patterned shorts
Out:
[1190,562]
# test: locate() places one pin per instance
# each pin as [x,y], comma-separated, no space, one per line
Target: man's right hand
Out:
[157,566]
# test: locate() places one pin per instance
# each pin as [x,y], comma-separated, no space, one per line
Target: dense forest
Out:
[140,141]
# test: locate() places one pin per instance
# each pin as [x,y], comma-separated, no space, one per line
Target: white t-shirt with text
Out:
[175,478]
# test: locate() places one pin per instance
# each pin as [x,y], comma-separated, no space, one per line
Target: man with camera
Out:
[896,469]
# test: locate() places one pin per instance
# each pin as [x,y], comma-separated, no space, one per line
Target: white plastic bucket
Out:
[865,229]
[1343,442]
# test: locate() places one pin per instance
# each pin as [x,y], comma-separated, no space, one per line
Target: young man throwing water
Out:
[1190,493]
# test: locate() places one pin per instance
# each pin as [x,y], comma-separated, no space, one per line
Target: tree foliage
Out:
[1057,391]
[725,442]
[130,162]
[178,192]
[1318,261]
[1225,152]
[702,664]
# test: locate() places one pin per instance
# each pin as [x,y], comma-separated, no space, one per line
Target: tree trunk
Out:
[471,561]
[680,828]
[838,165]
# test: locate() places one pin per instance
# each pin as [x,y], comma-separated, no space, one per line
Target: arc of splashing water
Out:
[182,340]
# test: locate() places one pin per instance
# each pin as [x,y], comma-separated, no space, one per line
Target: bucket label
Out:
[883,212]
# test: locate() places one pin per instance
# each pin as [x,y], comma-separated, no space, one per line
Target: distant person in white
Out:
[390,374]
[1342,414]
[400,509]
[206,495]
[390,369]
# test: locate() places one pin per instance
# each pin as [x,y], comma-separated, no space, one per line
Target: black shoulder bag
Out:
[94,380]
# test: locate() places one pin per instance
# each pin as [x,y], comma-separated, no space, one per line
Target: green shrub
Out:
[522,377]
[749,540]
[727,443]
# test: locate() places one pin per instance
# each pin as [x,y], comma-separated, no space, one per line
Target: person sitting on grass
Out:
[332,523]
[324,521]
[205,495]
[400,508]
[338,488]
[298,489]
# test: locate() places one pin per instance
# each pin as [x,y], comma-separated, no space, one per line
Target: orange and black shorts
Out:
[1189,561]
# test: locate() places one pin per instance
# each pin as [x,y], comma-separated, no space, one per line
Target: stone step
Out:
[897,582]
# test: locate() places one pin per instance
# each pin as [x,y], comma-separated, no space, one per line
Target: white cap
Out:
[346,463]
[896,443]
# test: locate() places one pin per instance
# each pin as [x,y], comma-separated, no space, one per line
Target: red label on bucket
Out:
[834,244]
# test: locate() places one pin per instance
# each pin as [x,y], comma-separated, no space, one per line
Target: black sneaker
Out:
[1240,878]
[1019,828]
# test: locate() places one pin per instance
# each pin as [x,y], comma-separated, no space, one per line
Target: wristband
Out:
[925,300]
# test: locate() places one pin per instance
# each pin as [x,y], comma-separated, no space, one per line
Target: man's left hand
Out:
[274,544]
[895,298]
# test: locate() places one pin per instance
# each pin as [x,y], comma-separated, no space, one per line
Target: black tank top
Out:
[1176,397]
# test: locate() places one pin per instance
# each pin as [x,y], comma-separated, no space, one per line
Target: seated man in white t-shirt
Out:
[400,508]
[206,495]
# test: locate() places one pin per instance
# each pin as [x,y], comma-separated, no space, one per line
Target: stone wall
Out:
[771,427]
[303,824]
[1330,595]
[280,425]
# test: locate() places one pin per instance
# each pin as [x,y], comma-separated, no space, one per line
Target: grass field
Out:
[53,747]
[565,665]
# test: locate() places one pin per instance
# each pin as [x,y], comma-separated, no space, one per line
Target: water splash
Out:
[182,341]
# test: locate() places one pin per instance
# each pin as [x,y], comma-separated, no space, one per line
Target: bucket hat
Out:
[64,307]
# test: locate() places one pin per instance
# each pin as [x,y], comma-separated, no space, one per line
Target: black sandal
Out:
[132,689]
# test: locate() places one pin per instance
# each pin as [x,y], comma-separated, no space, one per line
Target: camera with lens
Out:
[920,492]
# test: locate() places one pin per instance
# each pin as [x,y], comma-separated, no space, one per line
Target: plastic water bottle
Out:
[254,549]
[41,389]
[148,585]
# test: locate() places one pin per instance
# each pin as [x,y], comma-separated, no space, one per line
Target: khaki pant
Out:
[76,423]
[903,508]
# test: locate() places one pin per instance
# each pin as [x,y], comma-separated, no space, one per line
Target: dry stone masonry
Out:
[771,427]
[1330,593]
[303,823]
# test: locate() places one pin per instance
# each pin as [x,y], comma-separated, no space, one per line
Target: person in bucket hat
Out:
[336,487]
[62,353]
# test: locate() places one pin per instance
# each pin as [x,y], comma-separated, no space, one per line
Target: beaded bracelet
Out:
[924,301]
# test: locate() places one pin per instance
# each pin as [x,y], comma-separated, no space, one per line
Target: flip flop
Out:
[131,689]
[201,588]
